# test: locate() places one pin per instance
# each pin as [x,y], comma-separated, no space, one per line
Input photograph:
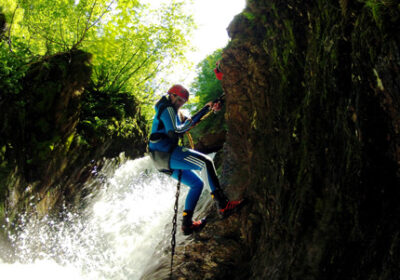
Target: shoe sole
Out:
[197,229]
[234,210]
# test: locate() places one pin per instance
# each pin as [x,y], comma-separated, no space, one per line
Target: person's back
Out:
[160,140]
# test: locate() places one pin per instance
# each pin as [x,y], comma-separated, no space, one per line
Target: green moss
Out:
[250,16]
[376,8]
[68,142]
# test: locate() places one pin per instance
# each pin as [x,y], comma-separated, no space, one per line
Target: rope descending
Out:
[174,221]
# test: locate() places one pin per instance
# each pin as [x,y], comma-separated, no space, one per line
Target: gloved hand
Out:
[216,107]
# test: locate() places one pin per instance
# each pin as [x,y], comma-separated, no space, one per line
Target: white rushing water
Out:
[115,237]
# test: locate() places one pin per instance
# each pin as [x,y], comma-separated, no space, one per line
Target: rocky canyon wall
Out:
[313,125]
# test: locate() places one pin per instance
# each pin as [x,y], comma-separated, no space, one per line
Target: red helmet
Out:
[180,91]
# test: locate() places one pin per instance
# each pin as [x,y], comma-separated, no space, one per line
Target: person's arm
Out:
[212,105]
[169,119]
[196,118]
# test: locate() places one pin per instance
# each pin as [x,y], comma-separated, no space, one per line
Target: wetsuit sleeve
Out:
[197,116]
[169,119]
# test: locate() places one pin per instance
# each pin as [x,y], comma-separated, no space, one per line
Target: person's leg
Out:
[184,159]
[193,181]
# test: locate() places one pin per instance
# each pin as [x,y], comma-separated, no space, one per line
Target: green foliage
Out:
[134,48]
[109,115]
[208,88]
[249,15]
[130,43]
[12,69]
[376,10]
[76,80]
[383,10]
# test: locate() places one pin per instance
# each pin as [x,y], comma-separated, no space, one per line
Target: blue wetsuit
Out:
[170,157]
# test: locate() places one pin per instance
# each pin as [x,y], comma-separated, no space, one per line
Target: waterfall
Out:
[114,237]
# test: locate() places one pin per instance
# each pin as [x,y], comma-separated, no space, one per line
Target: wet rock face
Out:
[217,252]
[40,125]
[210,143]
[55,86]
[49,158]
[313,115]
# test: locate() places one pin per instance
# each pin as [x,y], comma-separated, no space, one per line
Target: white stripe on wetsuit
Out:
[202,165]
[195,161]
[172,115]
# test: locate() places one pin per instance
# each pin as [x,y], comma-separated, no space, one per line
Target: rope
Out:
[206,115]
[173,241]
[190,138]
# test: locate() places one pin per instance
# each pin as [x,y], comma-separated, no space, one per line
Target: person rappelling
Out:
[180,162]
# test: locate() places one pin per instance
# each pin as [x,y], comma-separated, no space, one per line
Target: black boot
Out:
[225,207]
[220,198]
[188,226]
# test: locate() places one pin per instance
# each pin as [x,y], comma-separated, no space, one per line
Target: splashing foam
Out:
[114,238]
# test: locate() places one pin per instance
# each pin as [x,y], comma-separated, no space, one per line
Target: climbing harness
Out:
[173,241]
[190,139]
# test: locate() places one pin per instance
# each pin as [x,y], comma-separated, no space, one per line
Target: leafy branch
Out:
[9,42]
[89,26]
